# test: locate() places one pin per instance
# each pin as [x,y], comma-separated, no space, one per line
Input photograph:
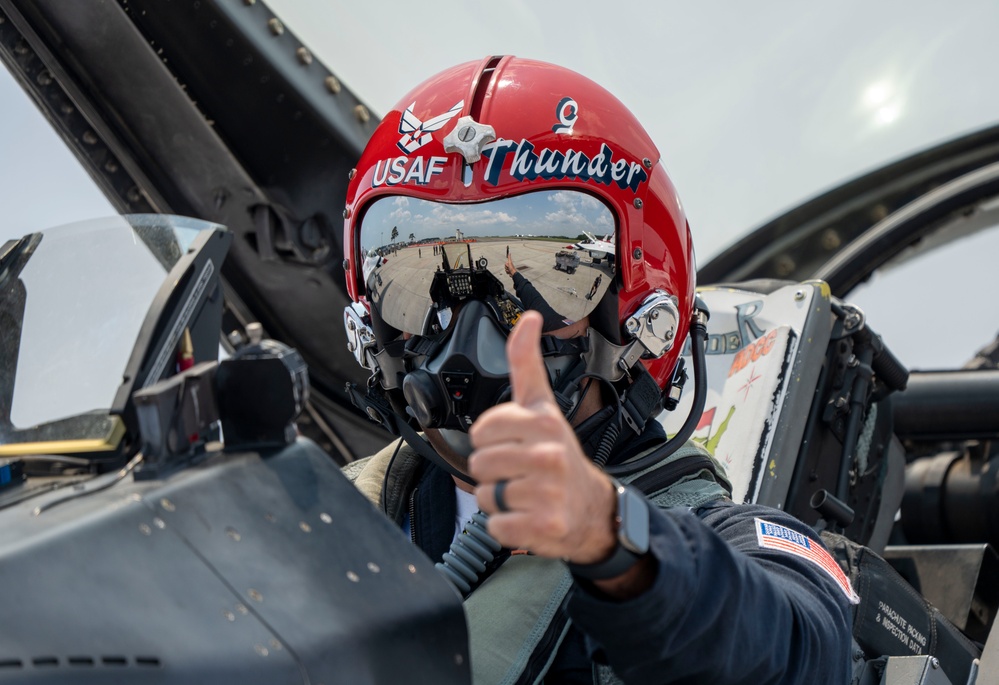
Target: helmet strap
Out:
[641,400]
[613,362]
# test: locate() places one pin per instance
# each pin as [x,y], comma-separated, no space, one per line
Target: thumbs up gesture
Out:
[509,266]
[556,502]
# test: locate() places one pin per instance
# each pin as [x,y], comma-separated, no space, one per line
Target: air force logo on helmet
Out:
[416,133]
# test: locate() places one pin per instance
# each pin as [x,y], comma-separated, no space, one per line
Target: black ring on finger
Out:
[498,496]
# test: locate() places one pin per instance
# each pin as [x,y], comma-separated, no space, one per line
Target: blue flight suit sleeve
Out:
[532,299]
[722,609]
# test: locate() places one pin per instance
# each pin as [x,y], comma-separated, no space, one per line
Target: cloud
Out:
[451,215]
[579,209]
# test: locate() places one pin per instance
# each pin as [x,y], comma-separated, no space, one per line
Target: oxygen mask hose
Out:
[470,555]
[607,443]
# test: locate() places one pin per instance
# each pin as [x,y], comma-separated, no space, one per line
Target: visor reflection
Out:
[549,249]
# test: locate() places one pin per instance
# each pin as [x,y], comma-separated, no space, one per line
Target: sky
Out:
[41,183]
[755,107]
[559,213]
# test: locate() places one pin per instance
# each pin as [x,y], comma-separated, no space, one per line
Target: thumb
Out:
[528,374]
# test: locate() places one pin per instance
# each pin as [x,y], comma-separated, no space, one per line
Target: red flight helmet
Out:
[522,143]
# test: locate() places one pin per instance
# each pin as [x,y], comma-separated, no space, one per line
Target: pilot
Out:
[588,546]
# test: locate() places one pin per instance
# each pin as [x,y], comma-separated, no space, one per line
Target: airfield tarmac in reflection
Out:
[400,284]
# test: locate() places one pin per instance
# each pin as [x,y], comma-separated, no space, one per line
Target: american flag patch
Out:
[774,536]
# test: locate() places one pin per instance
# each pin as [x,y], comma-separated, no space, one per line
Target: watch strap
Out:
[625,555]
[620,560]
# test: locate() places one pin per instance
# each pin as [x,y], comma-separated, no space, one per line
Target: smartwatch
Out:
[631,522]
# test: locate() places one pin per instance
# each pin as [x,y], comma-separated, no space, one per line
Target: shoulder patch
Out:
[775,536]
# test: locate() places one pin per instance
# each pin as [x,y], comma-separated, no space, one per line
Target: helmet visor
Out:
[419,259]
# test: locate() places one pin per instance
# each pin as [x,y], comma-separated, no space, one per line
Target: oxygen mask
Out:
[462,374]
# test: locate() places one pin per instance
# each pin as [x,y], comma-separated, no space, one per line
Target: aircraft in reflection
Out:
[598,248]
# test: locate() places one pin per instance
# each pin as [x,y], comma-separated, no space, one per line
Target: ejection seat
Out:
[798,413]
[793,413]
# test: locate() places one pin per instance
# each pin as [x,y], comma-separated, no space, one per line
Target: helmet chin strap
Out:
[640,401]
[639,397]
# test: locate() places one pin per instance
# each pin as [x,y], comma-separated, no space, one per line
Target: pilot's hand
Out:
[509,267]
[558,503]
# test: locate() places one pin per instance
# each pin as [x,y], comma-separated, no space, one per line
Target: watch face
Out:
[633,513]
